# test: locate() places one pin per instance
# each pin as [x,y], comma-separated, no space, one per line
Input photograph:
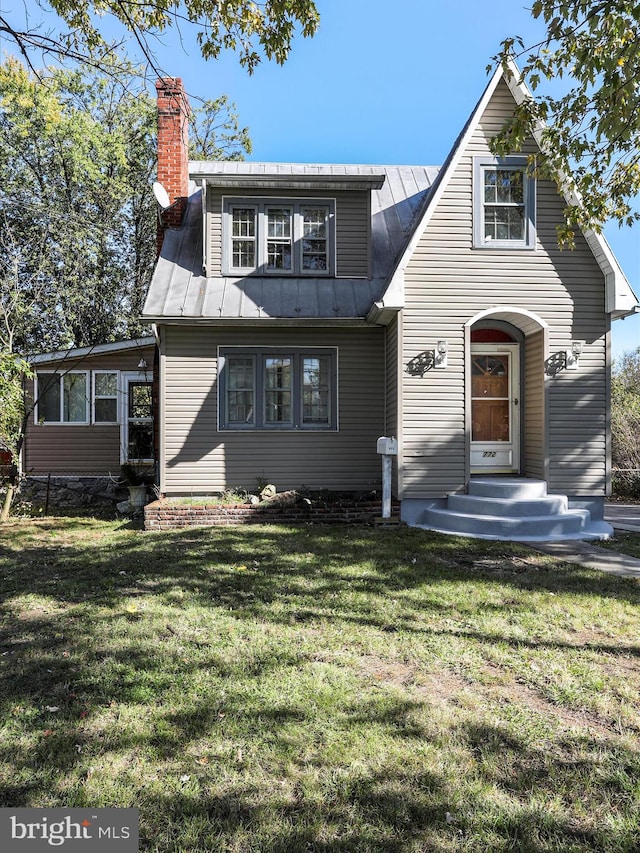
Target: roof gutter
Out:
[381,314]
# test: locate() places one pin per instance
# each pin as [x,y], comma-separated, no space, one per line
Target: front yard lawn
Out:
[311,689]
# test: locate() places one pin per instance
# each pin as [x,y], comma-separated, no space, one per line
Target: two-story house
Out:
[302,311]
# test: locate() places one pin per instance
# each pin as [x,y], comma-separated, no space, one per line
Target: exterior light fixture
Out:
[142,364]
[440,354]
[572,356]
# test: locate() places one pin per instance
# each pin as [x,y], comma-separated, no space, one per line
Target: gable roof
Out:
[620,299]
[180,290]
[403,199]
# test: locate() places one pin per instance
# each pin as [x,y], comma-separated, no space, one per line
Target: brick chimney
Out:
[173,150]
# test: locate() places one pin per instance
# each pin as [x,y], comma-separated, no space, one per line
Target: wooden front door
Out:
[495,420]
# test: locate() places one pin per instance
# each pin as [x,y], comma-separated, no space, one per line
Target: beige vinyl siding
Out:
[534,408]
[352,226]
[447,282]
[353,214]
[578,418]
[200,459]
[392,362]
[391,378]
[73,448]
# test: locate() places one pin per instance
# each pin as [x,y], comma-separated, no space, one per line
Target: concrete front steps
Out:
[516,509]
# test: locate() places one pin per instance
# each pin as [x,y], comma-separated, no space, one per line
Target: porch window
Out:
[62,398]
[278,237]
[105,397]
[504,204]
[275,390]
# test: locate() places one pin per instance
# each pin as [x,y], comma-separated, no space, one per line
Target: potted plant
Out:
[137,481]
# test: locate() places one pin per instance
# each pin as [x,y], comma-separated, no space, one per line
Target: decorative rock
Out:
[268,492]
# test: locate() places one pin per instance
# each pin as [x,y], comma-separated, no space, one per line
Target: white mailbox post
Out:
[387,448]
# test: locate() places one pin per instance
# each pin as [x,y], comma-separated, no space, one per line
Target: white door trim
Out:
[127,377]
[499,457]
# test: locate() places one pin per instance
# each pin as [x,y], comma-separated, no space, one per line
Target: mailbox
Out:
[388,446]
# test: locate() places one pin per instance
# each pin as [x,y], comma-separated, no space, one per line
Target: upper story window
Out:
[278,237]
[504,204]
[243,237]
[105,397]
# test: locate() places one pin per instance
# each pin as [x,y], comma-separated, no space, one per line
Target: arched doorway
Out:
[505,392]
[495,399]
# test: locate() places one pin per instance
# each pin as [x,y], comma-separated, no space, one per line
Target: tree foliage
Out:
[590,125]
[214,132]
[254,30]
[76,159]
[625,415]
[77,218]
[13,371]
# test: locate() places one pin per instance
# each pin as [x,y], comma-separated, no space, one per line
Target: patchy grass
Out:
[316,689]
[624,542]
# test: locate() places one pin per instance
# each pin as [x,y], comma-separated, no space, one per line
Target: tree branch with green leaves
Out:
[77,216]
[590,125]
[254,31]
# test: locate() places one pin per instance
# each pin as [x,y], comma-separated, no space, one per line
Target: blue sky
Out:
[381,82]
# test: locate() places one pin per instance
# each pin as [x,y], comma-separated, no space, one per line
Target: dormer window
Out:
[504,204]
[278,237]
[243,237]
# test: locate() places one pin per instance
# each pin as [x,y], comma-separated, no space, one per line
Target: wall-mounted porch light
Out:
[440,354]
[572,356]
[142,364]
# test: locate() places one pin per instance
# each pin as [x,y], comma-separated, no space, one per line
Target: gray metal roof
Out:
[238,173]
[180,291]
[97,349]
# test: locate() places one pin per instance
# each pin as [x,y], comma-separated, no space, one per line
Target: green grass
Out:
[625,543]
[312,689]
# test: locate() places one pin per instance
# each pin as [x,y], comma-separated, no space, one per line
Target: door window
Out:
[490,398]
[140,422]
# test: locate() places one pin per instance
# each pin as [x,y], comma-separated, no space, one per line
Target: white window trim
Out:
[95,397]
[529,184]
[61,375]
[259,354]
[261,205]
